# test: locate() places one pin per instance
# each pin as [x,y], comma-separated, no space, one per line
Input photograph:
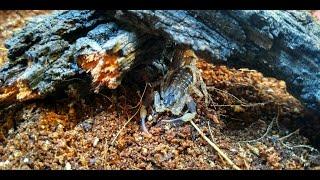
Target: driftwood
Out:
[108,44]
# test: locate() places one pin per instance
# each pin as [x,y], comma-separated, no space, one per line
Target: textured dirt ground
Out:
[251,120]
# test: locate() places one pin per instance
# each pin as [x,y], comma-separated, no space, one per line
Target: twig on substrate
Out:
[139,105]
[141,97]
[277,121]
[243,105]
[299,146]
[289,135]
[220,152]
[211,88]
[210,131]
[296,146]
[108,98]
[211,135]
[263,136]
[282,138]
[267,131]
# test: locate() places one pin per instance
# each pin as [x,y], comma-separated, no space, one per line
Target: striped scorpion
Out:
[176,87]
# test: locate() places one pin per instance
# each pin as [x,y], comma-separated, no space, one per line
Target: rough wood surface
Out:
[282,44]
[54,49]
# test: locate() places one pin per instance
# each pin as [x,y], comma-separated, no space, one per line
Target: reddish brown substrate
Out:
[58,137]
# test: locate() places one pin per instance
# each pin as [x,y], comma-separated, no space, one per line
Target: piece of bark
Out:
[108,52]
[40,55]
[59,47]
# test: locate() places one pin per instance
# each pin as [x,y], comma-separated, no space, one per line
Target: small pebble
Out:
[296,110]
[17,154]
[87,124]
[269,91]
[167,127]
[68,166]
[92,161]
[139,138]
[26,160]
[11,131]
[3,164]
[233,150]
[95,141]
[144,151]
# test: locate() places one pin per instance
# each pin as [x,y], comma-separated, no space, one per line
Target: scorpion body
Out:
[178,86]
[175,89]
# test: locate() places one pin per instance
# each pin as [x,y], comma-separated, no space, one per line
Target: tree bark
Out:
[107,44]
[57,48]
[281,44]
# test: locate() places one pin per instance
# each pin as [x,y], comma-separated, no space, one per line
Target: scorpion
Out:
[176,87]
[175,94]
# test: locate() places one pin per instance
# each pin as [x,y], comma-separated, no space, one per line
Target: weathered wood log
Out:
[40,56]
[282,44]
[54,49]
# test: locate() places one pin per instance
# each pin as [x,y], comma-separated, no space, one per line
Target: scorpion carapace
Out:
[182,79]
[178,86]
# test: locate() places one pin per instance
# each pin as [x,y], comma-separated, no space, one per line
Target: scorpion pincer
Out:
[176,89]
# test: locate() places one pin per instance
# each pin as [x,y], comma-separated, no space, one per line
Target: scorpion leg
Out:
[191,113]
[143,115]
[143,111]
[197,91]
[158,103]
[203,86]
[178,106]
[198,81]
[192,108]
